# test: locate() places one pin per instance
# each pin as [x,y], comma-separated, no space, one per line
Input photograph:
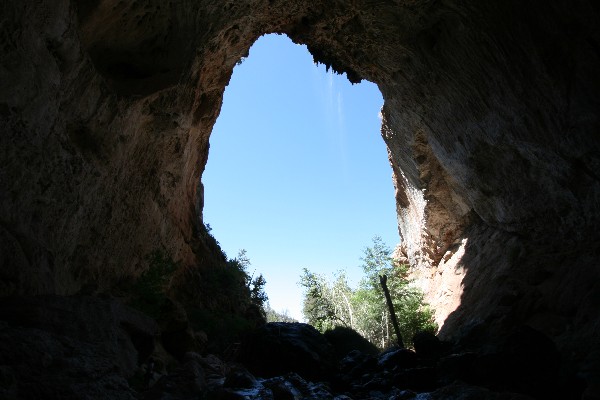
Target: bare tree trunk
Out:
[388,299]
[387,328]
[349,310]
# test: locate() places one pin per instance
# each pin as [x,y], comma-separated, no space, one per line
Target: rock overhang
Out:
[489,119]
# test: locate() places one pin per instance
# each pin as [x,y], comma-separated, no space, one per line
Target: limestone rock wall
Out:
[490,117]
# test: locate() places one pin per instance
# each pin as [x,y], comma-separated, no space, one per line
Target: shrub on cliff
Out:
[254,285]
[219,296]
[149,290]
[230,301]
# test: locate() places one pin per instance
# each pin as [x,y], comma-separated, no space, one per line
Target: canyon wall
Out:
[490,117]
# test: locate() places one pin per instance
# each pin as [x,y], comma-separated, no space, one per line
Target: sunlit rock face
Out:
[490,117]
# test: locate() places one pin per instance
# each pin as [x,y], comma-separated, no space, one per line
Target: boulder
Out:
[427,345]
[79,347]
[531,362]
[397,358]
[357,364]
[344,340]
[278,348]
[526,362]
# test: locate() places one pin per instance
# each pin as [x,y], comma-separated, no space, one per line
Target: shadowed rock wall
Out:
[490,117]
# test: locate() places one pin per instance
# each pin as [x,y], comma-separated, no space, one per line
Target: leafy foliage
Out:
[228,287]
[219,297]
[222,329]
[218,294]
[254,285]
[326,305]
[275,316]
[330,304]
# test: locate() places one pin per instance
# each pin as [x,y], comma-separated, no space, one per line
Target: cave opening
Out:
[297,173]
[491,120]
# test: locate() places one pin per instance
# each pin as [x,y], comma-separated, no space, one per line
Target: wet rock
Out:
[290,386]
[280,348]
[282,389]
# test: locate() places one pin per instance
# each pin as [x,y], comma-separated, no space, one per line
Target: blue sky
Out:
[297,172]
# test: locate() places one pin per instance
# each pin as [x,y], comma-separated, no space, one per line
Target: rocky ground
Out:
[86,347]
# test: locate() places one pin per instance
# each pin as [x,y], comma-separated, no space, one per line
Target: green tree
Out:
[255,285]
[325,305]
[376,259]
[412,313]
[329,304]
[276,316]
[341,295]
[369,315]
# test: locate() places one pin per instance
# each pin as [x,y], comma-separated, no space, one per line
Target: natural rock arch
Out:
[490,118]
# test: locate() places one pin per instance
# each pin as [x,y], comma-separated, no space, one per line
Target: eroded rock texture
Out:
[490,117]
